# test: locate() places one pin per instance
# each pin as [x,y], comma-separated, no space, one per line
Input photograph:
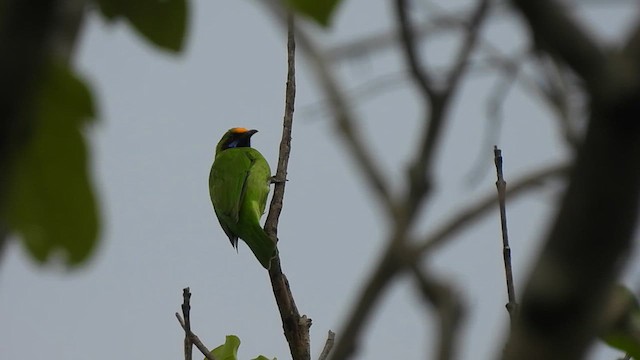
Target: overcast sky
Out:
[160,118]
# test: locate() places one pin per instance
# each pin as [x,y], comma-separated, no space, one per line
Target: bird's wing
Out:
[227,185]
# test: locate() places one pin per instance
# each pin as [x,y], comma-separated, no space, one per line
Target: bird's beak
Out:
[250,133]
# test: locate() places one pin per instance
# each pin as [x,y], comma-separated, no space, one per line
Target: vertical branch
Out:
[275,208]
[501,185]
[189,337]
[186,308]
[296,327]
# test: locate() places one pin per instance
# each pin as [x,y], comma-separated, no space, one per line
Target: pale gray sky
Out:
[160,117]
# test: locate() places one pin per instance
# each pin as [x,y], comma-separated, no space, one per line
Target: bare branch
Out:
[275,208]
[327,346]
[501,185]
[296,327]
[196,340]
[343,116]
[186,308]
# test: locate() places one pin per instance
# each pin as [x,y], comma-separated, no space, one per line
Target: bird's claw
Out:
[275,180]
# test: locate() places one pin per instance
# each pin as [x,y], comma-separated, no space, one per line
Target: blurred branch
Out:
[448,308]
[385,39]
[592,233]
[296,327]
[420,75]
[437,100]
[472,213]
[396,255]
[362,92]
[343,116]
[556,32]
[439,22]
[478,16]
[556,91]
[501,185]
[385,270]
[632,46]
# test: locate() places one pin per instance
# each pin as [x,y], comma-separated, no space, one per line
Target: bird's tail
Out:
[261,245]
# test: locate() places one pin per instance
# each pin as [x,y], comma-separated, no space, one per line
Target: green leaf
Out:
[229,350]
[262,357]
[162,22]
[318,10]
[51,203]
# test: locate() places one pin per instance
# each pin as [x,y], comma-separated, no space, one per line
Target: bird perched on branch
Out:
[239,184]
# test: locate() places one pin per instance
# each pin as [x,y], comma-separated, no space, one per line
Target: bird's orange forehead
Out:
[239,130]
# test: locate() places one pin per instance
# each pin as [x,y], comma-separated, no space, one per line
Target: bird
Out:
[239,183]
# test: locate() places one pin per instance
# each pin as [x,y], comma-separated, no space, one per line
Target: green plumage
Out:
[239,184]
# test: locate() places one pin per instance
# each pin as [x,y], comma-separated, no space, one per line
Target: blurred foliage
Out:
[320,11]
[163,23]
[52,205]
[51,202]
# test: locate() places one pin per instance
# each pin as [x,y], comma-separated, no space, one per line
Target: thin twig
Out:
[186,308]
[196,341]
[296,327]
[501,185]
[327,346]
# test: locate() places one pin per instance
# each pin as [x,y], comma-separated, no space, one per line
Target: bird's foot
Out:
[275,180]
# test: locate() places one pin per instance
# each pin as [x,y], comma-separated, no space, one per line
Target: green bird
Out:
[239,184]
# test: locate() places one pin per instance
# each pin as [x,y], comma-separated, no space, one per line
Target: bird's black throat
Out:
[238,142]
